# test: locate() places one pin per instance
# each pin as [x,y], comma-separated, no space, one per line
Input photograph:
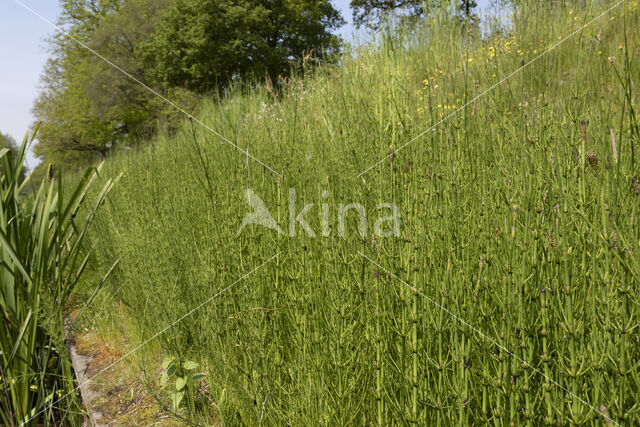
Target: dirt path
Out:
[81,366]
[117,397]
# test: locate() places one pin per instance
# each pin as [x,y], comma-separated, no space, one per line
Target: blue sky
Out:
[23,54]
[23,57]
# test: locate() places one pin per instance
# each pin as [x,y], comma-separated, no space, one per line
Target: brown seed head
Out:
[592,158]
[583,129]
[605,413]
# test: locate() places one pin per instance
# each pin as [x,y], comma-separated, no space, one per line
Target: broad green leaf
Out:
[189,365]
[167,361]
[164,379]
[171,369]
[180,383]
[176,399]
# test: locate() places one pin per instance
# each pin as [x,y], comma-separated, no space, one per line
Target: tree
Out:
[179,48]
[371,13]
[466,8]
[7,141]
[71,132]
[115,96]
[205,44]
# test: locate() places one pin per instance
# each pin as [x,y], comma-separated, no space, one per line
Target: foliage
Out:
[518,215]
[71,132]
[7,141]
[121,37]
[203,45]
[372,13]
[41,264]
[181,377]
[179,49]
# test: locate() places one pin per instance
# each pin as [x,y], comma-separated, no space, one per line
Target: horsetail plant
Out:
[515,217]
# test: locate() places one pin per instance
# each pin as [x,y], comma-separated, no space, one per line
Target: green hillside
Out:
[509,293]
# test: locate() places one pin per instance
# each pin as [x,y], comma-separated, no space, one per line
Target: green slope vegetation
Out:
[508,296]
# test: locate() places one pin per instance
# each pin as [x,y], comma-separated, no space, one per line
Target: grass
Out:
[517,214]
[42,262]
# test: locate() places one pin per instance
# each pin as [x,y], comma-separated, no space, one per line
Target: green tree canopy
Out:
[371,13]
[205,44]
[179,48]
[71,130]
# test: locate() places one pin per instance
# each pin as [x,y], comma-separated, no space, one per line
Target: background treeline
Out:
[181,49]
[184,50]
